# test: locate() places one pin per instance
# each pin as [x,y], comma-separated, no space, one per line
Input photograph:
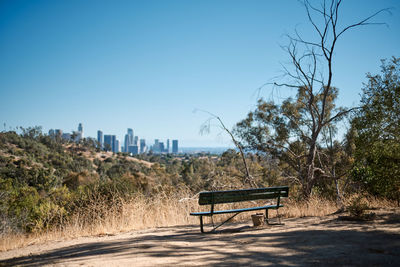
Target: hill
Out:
[46,182]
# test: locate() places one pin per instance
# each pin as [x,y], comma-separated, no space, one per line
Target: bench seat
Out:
[208,213]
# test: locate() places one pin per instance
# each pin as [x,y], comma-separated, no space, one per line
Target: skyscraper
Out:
[175,146]
[100,138]
[80,128]
[107,142]
[130,132]
[128,139]
[156,146]
[117,146]
[167,146]
[126,143]
[79,133]
[142,146]
[114,143]
[136,142]
[110,143]
[133,149]
[161,147]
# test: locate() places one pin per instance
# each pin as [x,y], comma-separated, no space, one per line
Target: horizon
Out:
[148,141]
[149,65]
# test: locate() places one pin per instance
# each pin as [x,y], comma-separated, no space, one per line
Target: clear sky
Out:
[147,65]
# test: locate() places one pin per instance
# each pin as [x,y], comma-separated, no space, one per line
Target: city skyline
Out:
[109,142]
[152,63]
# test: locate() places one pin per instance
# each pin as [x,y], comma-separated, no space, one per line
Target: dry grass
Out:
[144,213]
[136,214]
[313,207]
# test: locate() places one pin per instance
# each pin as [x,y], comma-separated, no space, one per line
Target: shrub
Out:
[357,207]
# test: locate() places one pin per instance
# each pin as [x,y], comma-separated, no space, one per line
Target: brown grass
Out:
[145,213]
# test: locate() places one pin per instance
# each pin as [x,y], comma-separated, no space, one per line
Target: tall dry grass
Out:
[141,212]
[137,213]
[314,206]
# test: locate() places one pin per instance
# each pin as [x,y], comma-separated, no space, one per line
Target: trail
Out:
[310,241]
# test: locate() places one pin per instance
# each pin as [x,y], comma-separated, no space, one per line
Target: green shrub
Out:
[357,207]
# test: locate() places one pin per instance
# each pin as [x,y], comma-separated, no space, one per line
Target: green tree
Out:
[377,127]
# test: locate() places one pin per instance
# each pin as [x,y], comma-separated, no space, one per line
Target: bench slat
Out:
[217,197]
[208,213]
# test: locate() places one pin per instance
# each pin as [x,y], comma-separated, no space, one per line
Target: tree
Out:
[292,130]
[377,127]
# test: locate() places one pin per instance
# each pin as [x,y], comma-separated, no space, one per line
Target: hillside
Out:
[45,183]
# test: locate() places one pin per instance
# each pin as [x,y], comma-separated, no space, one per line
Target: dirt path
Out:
[312,241]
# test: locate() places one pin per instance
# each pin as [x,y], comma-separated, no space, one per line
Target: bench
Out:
[219,197]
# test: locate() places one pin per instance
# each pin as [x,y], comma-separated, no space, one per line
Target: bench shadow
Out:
[240,246]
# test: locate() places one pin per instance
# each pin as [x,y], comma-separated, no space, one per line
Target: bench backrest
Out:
[218,197]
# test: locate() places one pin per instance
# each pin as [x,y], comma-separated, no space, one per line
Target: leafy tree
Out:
[377,127]
[292,131]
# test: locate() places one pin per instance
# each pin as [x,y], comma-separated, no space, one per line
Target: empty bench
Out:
[219,197]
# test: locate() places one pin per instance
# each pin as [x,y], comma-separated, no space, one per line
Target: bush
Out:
[357,207]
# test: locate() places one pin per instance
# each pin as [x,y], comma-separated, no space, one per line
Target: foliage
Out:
[357,207]
[377,128]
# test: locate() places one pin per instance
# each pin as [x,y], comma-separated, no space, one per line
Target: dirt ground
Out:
[312,241]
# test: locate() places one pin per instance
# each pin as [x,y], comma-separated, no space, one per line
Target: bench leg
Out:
[279,217]
[201,224]
[230,218]
[266,216]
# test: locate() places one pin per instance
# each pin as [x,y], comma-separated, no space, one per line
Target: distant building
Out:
[100,138]
[78,135]
[110,143]
[175,146]
[126,143]
[80,129]
[66,136]
[136,141]
[161,147]
[58,132]
[128,139]
[130,132]
[133,149]
[167,150]
[117,146]
[143,147]
[156,146]
[107,143]
[114,142]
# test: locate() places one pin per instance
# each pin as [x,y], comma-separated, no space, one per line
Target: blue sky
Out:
[147,65]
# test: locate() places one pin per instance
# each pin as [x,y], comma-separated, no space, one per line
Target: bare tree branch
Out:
[249,179]
[339,115]
[364,21]
[287,85]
